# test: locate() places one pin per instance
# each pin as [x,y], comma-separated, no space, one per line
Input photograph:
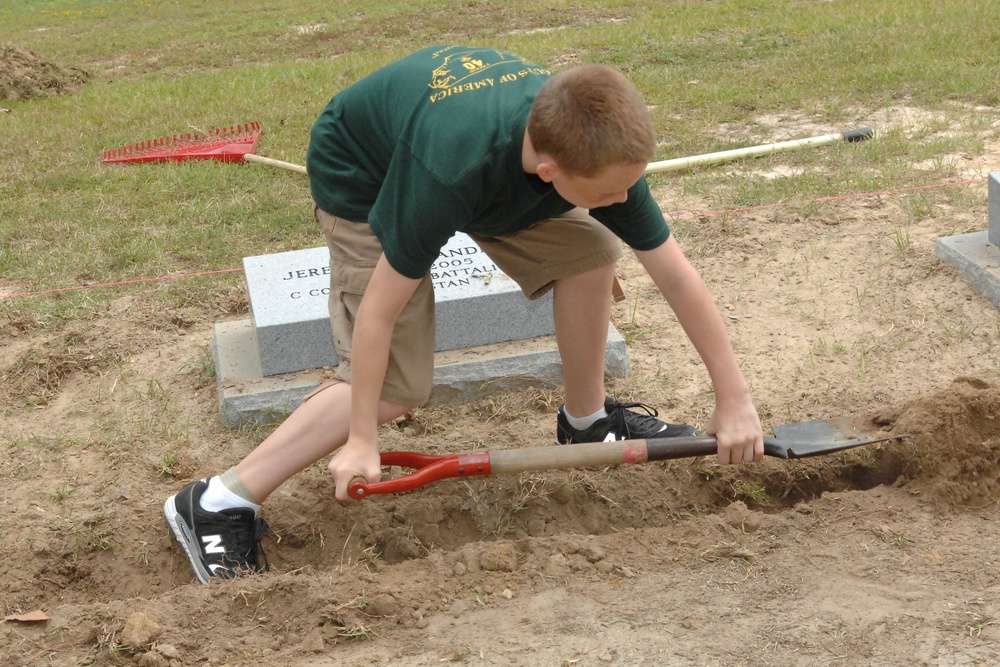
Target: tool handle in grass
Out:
[250,157]
[677,164]
[860,134]
[680,164]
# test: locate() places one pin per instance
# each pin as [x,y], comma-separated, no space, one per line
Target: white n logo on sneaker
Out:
[610,437]
[213,544]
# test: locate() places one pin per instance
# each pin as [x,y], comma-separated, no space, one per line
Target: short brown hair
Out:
[589,118]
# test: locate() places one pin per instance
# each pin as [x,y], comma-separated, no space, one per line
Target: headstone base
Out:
[246,396]
[976,259]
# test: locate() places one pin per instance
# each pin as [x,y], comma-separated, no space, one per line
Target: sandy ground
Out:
[884,555]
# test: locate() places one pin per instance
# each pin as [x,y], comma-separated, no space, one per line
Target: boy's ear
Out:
[547,171]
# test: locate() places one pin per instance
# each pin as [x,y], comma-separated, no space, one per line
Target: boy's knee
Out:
[389,411]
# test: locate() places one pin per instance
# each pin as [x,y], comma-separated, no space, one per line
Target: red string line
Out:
[686,216]
[670,216]
[115,284]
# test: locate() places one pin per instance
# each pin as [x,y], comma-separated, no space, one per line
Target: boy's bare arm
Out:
[387,293]
[734,422]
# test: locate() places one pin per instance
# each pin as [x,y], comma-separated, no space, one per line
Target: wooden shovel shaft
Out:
[584,455]
[591,455]
[428,468]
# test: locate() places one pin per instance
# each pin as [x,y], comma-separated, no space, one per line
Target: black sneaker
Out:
[222,544]
[621,424]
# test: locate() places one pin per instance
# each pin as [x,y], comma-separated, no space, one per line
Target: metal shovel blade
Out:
[822,436]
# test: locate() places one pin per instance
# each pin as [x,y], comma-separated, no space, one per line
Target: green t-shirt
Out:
[431,145]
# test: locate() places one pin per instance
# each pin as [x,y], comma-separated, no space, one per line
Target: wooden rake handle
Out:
[679,164]
[281,164]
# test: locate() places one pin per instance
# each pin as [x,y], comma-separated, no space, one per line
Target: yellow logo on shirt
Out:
[462,71]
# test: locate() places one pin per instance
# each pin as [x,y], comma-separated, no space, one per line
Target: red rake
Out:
[238,142]
[235,143]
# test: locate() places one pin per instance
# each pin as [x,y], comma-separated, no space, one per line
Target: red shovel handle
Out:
[428,469]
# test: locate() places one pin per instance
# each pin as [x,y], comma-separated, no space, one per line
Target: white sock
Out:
[582,423]
[218,497]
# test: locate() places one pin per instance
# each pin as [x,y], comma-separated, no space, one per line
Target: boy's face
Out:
[607,188]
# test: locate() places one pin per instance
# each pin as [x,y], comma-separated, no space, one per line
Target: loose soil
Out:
[884,555]
[25,75]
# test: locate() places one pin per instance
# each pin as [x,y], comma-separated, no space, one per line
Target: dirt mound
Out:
[25,75]
[954,453]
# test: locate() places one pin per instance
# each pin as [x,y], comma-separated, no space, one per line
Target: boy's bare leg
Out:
[582,311]
[317,428]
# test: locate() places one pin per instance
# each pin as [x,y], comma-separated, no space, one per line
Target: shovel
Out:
[792,441]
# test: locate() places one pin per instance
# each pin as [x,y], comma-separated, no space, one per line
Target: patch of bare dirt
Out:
[881,555]
[25,75]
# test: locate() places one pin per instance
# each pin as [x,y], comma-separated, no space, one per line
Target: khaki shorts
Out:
[534,258]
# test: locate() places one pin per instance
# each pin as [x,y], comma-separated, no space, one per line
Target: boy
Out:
[546,173]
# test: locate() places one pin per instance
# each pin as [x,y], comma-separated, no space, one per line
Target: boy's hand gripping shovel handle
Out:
[428,468]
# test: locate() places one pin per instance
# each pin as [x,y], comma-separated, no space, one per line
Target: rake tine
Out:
[228,143]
